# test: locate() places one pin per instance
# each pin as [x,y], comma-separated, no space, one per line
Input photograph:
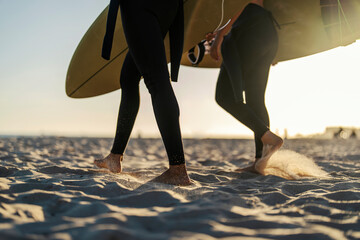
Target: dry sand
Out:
[49,189]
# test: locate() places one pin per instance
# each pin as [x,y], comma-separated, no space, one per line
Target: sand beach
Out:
[49,189]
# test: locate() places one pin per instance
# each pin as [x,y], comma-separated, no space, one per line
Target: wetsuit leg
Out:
[254,113]
[256,50]
[256,80]
[144,34]
[239,110]
[255,98]
[129,105]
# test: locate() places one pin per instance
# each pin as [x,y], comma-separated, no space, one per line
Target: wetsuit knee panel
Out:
[223,101]
[130,82]
[157,82]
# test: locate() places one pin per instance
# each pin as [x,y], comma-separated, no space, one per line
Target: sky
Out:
[39,37]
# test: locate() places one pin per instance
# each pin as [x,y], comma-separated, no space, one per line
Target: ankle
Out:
[116,156]
[271,138]
[178,169]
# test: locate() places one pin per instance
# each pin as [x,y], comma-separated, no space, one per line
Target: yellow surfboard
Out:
[307,27]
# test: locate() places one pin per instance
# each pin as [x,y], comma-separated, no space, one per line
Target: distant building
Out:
[342,132]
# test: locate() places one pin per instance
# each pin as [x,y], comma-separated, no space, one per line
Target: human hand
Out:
[210,36]
[215,47]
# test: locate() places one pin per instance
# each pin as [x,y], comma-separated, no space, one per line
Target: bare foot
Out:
[272,143]
[111,162]
[250,168]
[175,175]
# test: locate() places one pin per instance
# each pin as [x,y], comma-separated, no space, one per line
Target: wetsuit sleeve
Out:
[110,28]
[176,33]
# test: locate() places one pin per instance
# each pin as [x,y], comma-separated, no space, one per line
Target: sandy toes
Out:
[251,169]
[175,175]
[111,162]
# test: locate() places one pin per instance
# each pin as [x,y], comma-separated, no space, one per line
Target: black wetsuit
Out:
[248,51]
[145,23]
